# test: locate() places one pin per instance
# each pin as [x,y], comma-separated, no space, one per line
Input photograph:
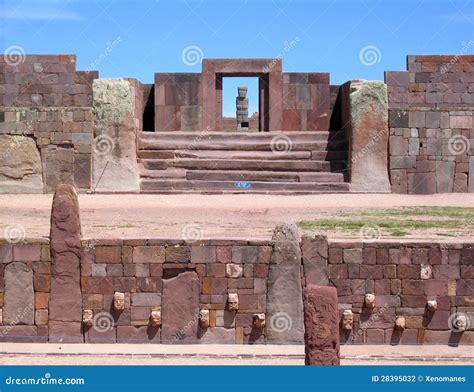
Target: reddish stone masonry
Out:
[403,276]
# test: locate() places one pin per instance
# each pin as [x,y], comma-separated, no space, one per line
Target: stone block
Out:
[203,254]
[108,254]
[19,295]
[149,254]
[321,322]
[244,254]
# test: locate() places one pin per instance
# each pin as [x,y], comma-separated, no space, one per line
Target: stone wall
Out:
[403,276]
[178,102]
[306,101]
[45,102]
[431,125]
[162,273]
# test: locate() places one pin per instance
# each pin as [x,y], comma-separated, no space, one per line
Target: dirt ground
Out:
[243,216]
[217,354]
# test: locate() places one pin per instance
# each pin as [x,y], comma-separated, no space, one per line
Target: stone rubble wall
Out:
[45,102]
[159,273]
[431,122]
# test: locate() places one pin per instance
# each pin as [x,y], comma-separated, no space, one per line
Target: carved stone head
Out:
[347,319]
[369,301]
[432,305]
[233,301]
[87,317]
[400,322]
[155,317]
[259,320]
[119,301]
[204,318]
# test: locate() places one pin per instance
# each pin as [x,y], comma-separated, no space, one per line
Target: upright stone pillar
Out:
[365,115]
[284,291]
[65,303]
[114,150]
[321,322]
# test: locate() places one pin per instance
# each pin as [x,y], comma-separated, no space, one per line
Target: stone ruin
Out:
[412,133]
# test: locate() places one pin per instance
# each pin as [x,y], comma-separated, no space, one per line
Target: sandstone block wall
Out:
[44,98]
[158,273]
[403,276]
[178,102]
[306,101]
[431,122]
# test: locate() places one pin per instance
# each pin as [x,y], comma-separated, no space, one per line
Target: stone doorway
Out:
[270,84]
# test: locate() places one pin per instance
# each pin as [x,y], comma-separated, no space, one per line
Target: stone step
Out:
[243,164]
[317,141]
[263,176]
[156,186]
[170,173]
[219,154]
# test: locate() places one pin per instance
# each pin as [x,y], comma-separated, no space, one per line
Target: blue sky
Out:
[135,38]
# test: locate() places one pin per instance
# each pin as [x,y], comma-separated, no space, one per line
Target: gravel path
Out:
[112,216]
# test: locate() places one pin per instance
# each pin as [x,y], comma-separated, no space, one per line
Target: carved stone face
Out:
[432,305]
[155,317]
[259,320]
[87,317]
[347,319]
[119,301]
[369,301]
[400,322]
[233,301]
[204,318]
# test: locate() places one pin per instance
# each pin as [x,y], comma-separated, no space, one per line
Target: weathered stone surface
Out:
[321,321]
[134,335]
[471,175]
[315,260]
[284,292]
[218,335]
[368,136]
[19,295]
[20,165]
[180,309]
[65,332]
[65,299]
[114,151]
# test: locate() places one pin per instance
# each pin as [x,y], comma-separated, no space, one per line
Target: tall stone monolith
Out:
[65,304]
[284,291]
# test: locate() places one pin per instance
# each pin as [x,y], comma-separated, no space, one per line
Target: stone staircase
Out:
[223,162]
